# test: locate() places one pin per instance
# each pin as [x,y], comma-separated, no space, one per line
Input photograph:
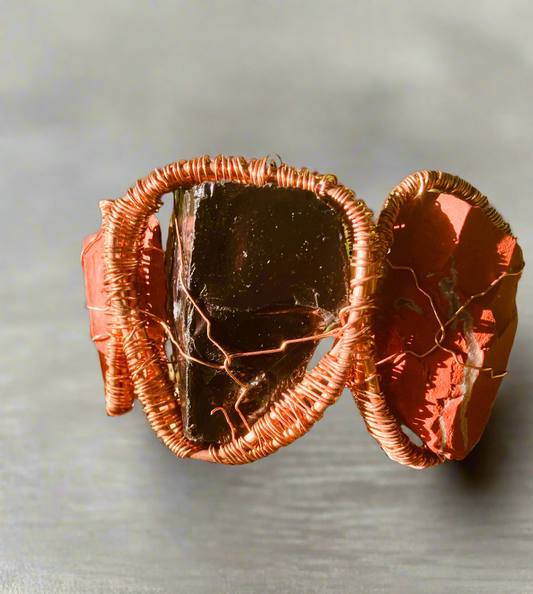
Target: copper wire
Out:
[170,336]
[226,416]
[201,313]
[146,366]
[230,357]
[441,332]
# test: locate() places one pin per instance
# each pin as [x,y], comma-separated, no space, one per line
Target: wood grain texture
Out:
[95,95]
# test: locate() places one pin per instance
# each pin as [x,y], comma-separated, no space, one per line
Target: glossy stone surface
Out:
[456,252]
[264,264]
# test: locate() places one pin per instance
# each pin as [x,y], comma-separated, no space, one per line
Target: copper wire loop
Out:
[137,368]
[364,379]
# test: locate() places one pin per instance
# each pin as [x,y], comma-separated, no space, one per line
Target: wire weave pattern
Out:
[138,369]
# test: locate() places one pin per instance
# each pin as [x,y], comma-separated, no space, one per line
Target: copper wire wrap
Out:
[139,369]
[364,379]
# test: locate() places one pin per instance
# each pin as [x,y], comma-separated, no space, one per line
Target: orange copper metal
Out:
[139,369]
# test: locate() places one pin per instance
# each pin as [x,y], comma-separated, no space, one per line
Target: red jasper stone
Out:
[455,252]
[152,286]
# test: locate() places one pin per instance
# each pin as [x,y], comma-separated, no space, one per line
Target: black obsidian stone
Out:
[264,264]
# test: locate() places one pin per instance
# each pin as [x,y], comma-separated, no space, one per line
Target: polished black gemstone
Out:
[263,264]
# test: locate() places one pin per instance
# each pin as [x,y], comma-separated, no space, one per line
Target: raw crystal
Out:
[263,265]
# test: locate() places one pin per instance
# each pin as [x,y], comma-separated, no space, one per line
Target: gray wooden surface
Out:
[95,94]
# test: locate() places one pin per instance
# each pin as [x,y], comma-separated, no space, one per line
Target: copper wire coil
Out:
[298,409]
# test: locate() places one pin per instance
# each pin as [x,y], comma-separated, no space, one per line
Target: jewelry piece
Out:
[263,261]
